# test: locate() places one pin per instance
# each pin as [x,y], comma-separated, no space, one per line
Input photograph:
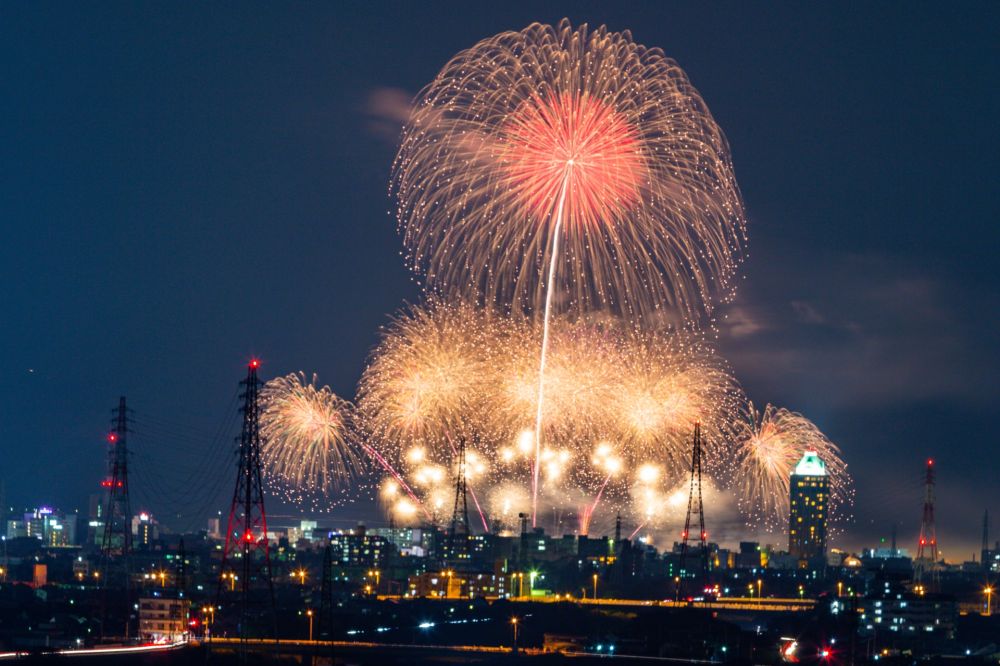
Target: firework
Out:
[574,156]
[771,444]
[668,382]
[616,400]
[306,433]
[424,392]
[579,156]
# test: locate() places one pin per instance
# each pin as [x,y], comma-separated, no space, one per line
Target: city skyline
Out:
[131,280]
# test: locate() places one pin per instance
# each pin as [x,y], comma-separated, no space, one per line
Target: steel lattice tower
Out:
[927,552]
[459,528]
[695,505]
[116,544]
[246,554]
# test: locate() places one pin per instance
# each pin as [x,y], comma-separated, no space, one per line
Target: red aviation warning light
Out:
[248,537]
[255,363]
[112,437]
[106,483]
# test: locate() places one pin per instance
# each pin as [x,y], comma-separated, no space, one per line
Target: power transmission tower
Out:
[695,506]
[458,531]
[326,595]
[927,552]
[246,559]
[116,545]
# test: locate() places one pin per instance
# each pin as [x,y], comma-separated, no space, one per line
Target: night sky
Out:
[186,185]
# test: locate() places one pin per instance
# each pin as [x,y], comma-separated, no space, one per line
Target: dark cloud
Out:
[872,331]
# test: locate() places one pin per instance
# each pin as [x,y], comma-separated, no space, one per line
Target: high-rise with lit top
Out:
[808,504]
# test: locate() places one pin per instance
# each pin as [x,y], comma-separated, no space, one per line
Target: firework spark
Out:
[771,444]
[668,382]
[549,124]
[424,390]
[306,432]
[616,400]
[579,156]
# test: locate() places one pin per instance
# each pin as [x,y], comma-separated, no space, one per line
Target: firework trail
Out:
[771,444]
[562,162]
[307,439]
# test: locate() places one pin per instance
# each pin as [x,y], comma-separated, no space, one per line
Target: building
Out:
[908,615]
[95,518]
[49,526]
[163,619]
[808,504]
[145,530]
[357,548]
[456,585]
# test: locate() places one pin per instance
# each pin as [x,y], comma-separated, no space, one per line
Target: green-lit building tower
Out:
[808,505]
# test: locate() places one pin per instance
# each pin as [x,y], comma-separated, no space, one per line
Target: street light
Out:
[301,575]
[232,580]
[595,587]
[988,591]
[513,623]
[520,584]
[309,612]
[447,589]
[840,588]
[759,583]
[162,575]
[210,612]
[531,582]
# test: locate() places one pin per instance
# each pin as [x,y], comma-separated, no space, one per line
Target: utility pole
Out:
[181,569]
[246,554]
[326,595]
[984,556]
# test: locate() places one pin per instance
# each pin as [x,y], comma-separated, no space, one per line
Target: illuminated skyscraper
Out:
[808,504]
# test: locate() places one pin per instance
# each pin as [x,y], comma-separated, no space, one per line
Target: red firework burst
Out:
[577,139]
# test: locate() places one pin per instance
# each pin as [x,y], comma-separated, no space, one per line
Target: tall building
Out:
[808,504]
[145,530]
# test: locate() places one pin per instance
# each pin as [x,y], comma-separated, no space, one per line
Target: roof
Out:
[810,465]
